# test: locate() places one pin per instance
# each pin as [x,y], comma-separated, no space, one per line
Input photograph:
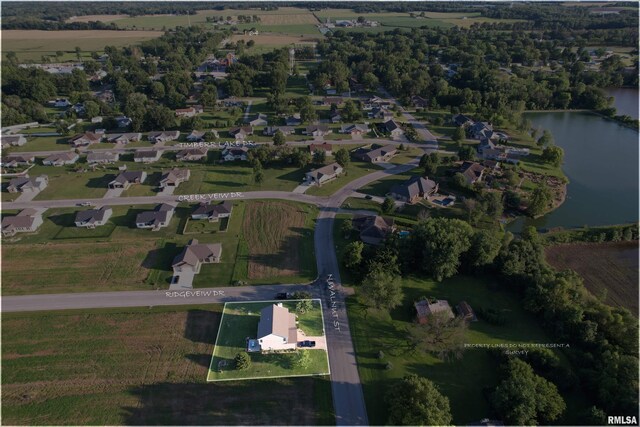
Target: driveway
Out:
[185,281]
[301,189]
[113,192]
[27,196]
[321,341]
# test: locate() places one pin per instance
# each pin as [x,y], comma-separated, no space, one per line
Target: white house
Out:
[146,156]
[277,329]
[231,154]
[13,140]
[93,218]
[61,159]
[26,221]
[324,174]
[159,217]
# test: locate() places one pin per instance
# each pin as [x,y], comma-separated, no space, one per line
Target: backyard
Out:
[240,321]
[151,369]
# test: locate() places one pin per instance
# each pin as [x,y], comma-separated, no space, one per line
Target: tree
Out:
[540,199]
[303,306]
[342,157]
[353,255]
[417,401]
[347,227]
[159,117]
[437,245]
[300,359]
[78,52]
[279,138]
[135,108]
[91,109]
[492,204]
[258,177]
[458,134]
[441,335]
[351,112]
[307,111]
[466,152]
[209,96]
[524,398]
[157,90]
[545,139]
[485,246]
[388,205]
[381,289]
[243,361]
[302,157]
[319,156]
[553,154]
[459,181]
[431,164]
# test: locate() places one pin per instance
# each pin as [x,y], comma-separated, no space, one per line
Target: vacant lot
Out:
[279,239]
[275,40]
[136,367]
[32,44]
[605,267]
[240,320]
[60,267]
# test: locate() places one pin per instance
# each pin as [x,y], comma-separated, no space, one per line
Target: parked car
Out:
[311,344]
[84,204]
[283,295]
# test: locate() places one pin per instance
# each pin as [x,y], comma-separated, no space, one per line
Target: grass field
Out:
[150,369]
[610,268]
[239,321]
[354,171]
[279,240]
[32,44]
[461,380]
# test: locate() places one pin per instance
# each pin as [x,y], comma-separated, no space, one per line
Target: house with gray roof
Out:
[146,156]
[472,172]
[212,212]
[277,330]
[123,138]
[159,217]
[380,154]
[271,130]
[24,184]
[354,129]
[259,119]
[231,154]
[317,130]
[15,160]
[93,218]
[195,254]
[102,157]
[196,136]
[26,221]
[393,128]
[323,175]
[192,154]
[61,159]
[174,177]
[126,178]
[13,140]
[164,136]
[241,132]
[373,229]
[414,189]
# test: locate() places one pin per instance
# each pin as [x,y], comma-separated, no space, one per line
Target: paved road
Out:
[147,298]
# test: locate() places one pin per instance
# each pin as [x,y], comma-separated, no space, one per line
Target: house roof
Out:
[391,125]
[20,157]
[23,219]
[241,129]
[276,320]
[90,136]
[164,134]
[348,128]
[472,171]
[102,156]
[157,215]
[92,215]
[320,147]
[414,186]
[426,308]
[129,176]
[175,174]
[381,151]
[64,157]
[198,151]
[146,154]
[331,169]
[236,151]
[373,225]
[195,253]
[213,210]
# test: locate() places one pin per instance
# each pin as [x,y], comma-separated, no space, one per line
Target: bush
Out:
[243,361]
[380,355]
[388,366]
[491,316]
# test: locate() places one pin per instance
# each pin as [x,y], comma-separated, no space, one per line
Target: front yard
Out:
[240,322]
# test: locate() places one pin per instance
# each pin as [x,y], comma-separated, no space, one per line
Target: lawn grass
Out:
[66,184]
[240,321]
[151,368]
[353,171]
[356,203]
[463,380]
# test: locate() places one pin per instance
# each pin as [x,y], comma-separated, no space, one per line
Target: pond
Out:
[626,101]
[601,162]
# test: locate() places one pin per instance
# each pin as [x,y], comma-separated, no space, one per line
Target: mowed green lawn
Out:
[138,366]
[240,321]
[354,170]
[463,380]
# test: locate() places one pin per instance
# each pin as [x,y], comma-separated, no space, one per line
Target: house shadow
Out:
[202,326]
[295,176]
[63,220]
[226,183]
[100,182]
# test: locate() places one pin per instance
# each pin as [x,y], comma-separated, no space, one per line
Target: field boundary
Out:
[267,377]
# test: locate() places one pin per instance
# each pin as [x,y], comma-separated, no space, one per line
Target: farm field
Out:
[278,240]
[32,44]
[151,368]
[240,320]
[462,380]
[605,267]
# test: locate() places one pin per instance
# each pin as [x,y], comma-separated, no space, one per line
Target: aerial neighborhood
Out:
[369,213]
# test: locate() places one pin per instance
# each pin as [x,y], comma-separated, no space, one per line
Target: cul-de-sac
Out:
[319,213]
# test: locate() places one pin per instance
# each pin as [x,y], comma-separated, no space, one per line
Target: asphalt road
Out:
[147,298]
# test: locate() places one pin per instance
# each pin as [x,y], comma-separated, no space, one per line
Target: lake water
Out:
[601,162]
[626,101]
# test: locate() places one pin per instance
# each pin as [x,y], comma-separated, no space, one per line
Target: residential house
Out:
[481,130]
[159,217]
[485,144]
[102,157]
[24,184]
[491,164]
[380,113]
[373,229]
[93,218]
[15,160]
[123,121]
[332,100]
[164,136]
[60,103]
[212,212]
[195,254]
[472,172]
[97,119]
[393,128]
[271,130]
[196,136]
[317,130]
[190,111]
[414,189]
[466,312]
[277,329]
[335,117]
[257,120]
[146,156]
[79,109]
[354,129]
[13,140]
[123,138]
[381,154]
[235,153]
[324,174]
[427,308]
[241,133]
[126,178]
[325,146]
[174,177]
[87,138]
[419,102]
[192,154]
[27,220]
[462,120]
[61,159]
[293,120]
